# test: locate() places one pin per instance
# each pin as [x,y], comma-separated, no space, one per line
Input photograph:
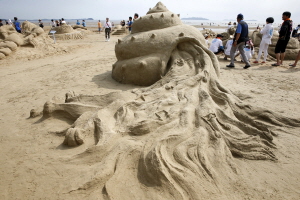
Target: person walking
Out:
[107,27]
[284,38]
[99,26]
[240,37]
[267,33]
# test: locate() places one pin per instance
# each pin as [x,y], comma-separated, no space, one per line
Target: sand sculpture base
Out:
[177,138]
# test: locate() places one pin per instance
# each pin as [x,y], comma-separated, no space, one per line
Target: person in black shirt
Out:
[1,23]
[284,37]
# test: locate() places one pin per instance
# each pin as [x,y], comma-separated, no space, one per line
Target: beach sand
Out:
[35,165]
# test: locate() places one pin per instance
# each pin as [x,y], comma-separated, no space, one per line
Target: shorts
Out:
[281,46]
[99,29]
[219,51]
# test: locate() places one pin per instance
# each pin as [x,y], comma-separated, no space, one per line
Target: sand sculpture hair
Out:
[292,49]
[32,35]
[66,32]
[176,139]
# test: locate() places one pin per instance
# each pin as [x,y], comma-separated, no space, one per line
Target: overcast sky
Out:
[122,9]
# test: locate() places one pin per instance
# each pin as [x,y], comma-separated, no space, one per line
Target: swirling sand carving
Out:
[177,138]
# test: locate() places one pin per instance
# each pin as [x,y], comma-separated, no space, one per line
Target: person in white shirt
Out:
[249,50]
[228,46]
[216,45]
[206,39]
[63,21]
[107,27]
[267,33]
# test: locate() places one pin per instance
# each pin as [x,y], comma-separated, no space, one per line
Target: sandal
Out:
[255,61]
[263,62]
[292,65]
[275,64]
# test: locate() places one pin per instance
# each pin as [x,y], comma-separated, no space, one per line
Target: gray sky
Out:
[122,9]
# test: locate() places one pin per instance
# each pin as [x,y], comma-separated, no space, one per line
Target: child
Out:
[267,33]
[249,50]
[228,49]
[216,45]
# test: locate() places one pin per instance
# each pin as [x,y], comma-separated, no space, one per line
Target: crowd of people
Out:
[242,45]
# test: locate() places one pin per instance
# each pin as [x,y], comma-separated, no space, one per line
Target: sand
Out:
[35,165]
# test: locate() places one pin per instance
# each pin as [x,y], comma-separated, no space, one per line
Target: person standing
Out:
[129,25]
[1,23]
[52,23]
[99,26]
[240,37]
[284,38]
[107,27]
[267,33]
[83,23]
[17,25]
[297,59]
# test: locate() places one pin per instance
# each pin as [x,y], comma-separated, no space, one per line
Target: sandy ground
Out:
[35,165]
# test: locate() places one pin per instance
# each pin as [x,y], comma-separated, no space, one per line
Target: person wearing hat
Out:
[239,40]
[216,45]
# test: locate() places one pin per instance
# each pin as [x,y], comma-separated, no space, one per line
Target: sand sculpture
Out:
[66,32]
[292,49]
[32,35]
[79,27]
[177,138]
[119,30]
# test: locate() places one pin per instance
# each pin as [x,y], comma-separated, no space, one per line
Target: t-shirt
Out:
[107,25]
[83,24]
[228,47]
[286,30]
[99,25]
[215,44]
[17,25]
[130,24]
[267,33]
[248,53]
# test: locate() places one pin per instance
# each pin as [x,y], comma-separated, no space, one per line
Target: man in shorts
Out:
[284,37]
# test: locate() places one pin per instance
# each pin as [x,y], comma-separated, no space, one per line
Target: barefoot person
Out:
[267,33]
[284,37]
[240,37]
[295,63]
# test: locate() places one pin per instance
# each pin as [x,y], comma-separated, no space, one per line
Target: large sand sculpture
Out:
[292,49]
[32,35]
[179,138]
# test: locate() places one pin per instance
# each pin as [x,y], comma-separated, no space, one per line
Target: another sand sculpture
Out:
[32,35]
[79,27]
[176,139]
[292,49]
[66,32]
[119,30]
[208,32]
